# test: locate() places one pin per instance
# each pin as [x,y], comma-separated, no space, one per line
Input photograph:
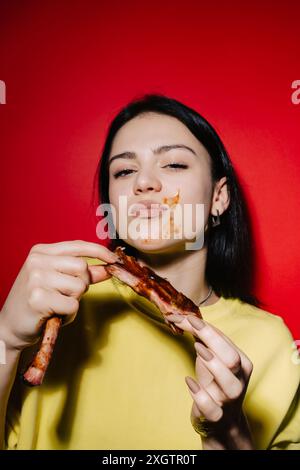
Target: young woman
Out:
[119,378]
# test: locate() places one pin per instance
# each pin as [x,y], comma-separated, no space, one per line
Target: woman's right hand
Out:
[52,280]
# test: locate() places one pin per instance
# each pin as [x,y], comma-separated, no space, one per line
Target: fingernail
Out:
[192,384]
[203,352]
[196,322]
[175,317]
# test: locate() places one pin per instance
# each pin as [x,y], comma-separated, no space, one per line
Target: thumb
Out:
[98,273]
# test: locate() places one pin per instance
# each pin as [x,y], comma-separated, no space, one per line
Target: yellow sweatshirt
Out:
[116,380]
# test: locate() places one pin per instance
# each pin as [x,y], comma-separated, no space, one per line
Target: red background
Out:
[70,65]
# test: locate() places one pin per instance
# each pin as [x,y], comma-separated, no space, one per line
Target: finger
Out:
[65,264]
[216,343]
[209,336]
[204,376]
[183,322]
[246,364]
[206,380]
[235,359]
[195,413]
[97,274]
[77,248]
[49,302]
[65,284]
[230,385]
[204,402]
[71,265]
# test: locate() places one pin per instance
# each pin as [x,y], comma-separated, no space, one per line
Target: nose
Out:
[145,182]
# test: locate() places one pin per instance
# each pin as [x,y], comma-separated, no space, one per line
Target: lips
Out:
[147,209]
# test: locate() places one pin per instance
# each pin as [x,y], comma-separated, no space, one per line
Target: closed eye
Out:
[122,173]
[176,165]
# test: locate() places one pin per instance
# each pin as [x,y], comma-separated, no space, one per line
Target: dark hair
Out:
[229,267]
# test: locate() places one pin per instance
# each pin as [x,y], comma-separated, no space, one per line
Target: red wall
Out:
[70,65]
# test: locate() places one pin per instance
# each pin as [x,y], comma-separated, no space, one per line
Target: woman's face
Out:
[159,160]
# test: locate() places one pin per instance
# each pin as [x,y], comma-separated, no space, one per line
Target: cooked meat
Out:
[37,369]
[158,290]
[142,280]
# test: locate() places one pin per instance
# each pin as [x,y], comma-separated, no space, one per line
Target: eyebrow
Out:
[157,151]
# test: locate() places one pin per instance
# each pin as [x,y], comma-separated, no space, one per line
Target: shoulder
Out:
[272,392]
[262,336]
[263,325]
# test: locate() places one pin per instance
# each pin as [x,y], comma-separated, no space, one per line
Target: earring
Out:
[216,219]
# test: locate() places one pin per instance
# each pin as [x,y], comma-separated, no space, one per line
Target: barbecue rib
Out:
[37,369]
[158,290]
[142,280]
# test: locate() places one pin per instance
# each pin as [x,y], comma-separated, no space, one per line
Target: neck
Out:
[185,270]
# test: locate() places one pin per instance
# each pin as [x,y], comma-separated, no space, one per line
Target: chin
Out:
[147,245]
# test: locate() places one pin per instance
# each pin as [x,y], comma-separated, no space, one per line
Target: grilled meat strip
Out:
[142,280]
[158,290]
[35,373]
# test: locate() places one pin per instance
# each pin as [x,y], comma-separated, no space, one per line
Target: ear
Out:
[221,197]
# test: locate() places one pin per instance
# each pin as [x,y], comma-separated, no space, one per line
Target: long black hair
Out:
[229,265]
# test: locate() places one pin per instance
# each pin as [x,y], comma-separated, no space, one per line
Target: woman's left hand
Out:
[223,372]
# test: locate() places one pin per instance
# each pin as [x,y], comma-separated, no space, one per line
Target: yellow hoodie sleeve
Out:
[287,436]
[272,402]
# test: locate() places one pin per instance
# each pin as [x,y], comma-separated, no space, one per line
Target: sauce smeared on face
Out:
[168,226]
[171,201]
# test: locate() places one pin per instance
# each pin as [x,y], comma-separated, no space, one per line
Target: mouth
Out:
[148,209]
[149,213]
